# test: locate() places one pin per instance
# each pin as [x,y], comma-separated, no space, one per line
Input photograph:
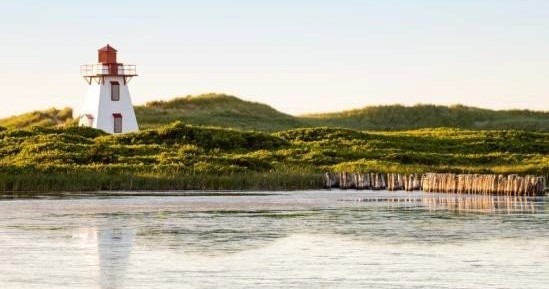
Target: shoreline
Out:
[53,184]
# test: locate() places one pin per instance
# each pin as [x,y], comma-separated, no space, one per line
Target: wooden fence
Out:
[440,183]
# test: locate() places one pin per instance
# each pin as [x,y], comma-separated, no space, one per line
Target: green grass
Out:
[92,180]
[215,110]
[221,142]
[227,111]
[179,156]
[398,117]
[48,118]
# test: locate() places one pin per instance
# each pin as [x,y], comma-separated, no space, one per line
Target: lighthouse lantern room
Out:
[108,105]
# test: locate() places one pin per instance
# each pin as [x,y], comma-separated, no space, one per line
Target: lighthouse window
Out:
[115,91]
[117,122]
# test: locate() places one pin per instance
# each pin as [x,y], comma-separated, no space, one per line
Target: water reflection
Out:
[485,204]
[321,239]
[114,246]
[467,203]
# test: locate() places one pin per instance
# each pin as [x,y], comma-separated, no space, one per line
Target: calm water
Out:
[314,239]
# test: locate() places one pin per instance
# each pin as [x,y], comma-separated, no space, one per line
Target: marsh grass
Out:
[97,181]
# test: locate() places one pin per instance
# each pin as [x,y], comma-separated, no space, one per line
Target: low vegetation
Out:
[180,156]
[215,110]
[398,117]
[48,118]
[230,112]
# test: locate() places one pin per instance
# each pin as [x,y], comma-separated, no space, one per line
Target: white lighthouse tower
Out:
[108,105]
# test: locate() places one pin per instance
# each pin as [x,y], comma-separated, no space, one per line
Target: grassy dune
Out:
[215,110]
[48,118]
[231,112]
[179,156]
[221,142]
[398,117]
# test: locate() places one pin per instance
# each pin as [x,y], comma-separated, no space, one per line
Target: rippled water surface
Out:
[314,239]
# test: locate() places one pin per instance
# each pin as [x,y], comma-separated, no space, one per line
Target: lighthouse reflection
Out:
[114,245]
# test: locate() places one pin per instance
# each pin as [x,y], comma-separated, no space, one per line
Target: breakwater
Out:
[440,183]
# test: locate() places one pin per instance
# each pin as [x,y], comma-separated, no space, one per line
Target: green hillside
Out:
[228,111]
[215,110]
[398,117]
[48,118]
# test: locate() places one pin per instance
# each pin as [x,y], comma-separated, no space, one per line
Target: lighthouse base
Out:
[109,107]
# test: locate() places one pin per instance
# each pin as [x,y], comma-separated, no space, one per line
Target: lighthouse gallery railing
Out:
[107,69]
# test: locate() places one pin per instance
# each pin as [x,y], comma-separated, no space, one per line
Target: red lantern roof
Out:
[107,54]
[107,48]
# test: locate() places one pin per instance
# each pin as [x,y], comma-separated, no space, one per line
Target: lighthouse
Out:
[108,105]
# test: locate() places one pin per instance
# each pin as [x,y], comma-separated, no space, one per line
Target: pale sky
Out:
[298,56]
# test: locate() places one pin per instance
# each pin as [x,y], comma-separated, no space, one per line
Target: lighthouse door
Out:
[117,122]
